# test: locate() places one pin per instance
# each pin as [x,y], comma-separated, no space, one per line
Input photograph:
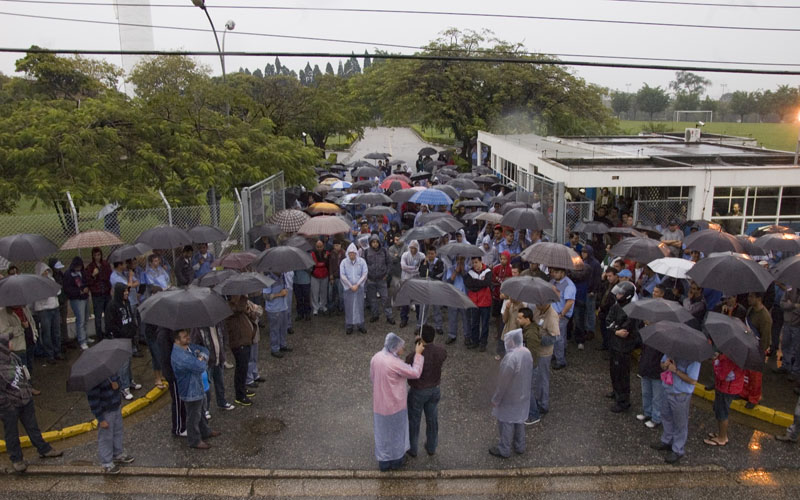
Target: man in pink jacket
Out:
[388,373]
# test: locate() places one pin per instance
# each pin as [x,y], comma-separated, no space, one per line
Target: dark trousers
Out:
[426,400]
[99,303]
[479,324]
[777,325]
[197,428]
[27,415]
[579,322]
[241,357]
[216,379]
[387,465]
[302,294]
[178,409]
[620,368]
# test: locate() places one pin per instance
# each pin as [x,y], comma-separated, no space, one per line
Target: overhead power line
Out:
[452,14]
[398,46]
[707,4]
[419,57]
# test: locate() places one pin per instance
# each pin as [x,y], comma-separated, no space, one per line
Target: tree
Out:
[317,73]
[269,70]
[257,72]
[367,60]
[652,99]
[743,103]
[340,71]
[621,102]
[331,108]
[329,69]
[785,102]
[689,83]
[278,67]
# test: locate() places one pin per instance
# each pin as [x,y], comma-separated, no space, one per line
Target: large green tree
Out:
[652,99]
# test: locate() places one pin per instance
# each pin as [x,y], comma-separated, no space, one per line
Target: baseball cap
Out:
[625,273]
[673,222]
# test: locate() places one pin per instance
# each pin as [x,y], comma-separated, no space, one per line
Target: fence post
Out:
[169,207]
[560,219]
[244,208]
[636,212]
[74,212]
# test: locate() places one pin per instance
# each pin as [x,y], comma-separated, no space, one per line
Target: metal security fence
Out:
[658,213]
[577,211]
[260,201]
[548,197]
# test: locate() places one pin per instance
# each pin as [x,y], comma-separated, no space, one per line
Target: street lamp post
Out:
[202,5]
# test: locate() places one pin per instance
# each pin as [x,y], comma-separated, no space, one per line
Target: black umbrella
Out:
[396,162]
[359,163]
[448,223]
[788,271]
[371,199]
[471,193]
[453,250]
[463,183]
[650,231]
[485,179]
[298,242]
[403,195]
[448,190]
[627,231]
[207,234]
[268,230]
[709,241]
[481,170]
[519,196]
[761,231]
[591,227]
[779,242]
[420,175]
[165,237]
[529,289]
[427,151]
[442,178]
[212,278]
[98,363]
[377,156]
[338,167]
[448,172]
[379,210]
[126,252]
[701,224]
[22,289]
[423,233]
[512,205]
[553,255]
[732,337]
[26,247]
[430,165]
[362,185]
[472,216]
[467,175]
[525,218]
[427,217]
[244,284]
[472,203]
[642,250]
[677,340]
[652,310]
[749,246]
[431,292]
[367,172]
[730,274]
[283,259]
[192,307]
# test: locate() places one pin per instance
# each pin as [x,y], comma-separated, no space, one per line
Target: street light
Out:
[202,5]
[228,27]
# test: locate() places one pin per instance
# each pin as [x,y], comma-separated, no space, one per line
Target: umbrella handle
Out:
[422,320]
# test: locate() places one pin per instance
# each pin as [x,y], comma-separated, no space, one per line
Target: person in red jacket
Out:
[728,383]
[319,278]
[500,272]
[98,273]
[478,282]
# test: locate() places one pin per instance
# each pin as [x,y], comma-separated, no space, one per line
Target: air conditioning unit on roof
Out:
[691,135]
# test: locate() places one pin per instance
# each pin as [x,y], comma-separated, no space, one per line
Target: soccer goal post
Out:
[690,116]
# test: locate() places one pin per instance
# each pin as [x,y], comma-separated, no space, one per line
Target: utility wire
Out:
[400,46]
[417,57]
[467,14]
[706,4]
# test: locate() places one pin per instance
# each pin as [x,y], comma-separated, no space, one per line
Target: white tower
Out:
[138,37]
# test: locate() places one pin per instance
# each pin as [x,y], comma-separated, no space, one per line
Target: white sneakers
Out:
[126,393]
[228,407]
[135,386]
[580,347]
[642,417]
[208,415]
[84,346]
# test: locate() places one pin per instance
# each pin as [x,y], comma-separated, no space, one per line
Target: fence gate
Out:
[259,202]
[548,197]
[577,211]
[658,213]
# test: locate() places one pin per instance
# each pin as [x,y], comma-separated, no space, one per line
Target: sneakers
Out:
[227,407]
[580,347]
[124,459]
[126,393]
[532,421]
[20,467]
[183,434]
[651,425]
[390,321]
[361,329]
[135,386]
[250,394]
[112,469]
[661,446]
[228,365]
[642,417]
[244,401]
[749,405]
[786,438]
[286,349]
[51,454]
[495,451]
[276,354]
[84,346]
[673,458]
[208,415]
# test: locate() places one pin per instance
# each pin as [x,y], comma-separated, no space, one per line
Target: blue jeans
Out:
[373,289]
[559,350]
[252,365]
[652,398]
[27,415]
[109,441]
[479,324]
[335,302]
[80,308]
[590,313]
[579,322]
[50,332]
[426,400]
[124,375]
[99,303]
[215,376]
[453,314]
[540,388]
[277,329]
[790,346]
[435,311]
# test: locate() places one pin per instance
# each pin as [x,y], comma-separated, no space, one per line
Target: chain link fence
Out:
[658,213]
[577,211]
[260,201]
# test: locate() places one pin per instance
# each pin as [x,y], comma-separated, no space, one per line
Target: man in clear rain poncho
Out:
[511,399]
[353,275]
[388,373]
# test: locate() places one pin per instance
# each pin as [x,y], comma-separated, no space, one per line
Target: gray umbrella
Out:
[677,340]
[627,231]
[650,231]
[730,274]
[244,284]
[448,172]
[165,237]
[377,156]
[268,230]
[779,242]
[26,247]
[428,217]
[427,151]
[788,271]
[22,289]
[453,250]
[107,209]
[98,363]
[447,189]
[642,250]
[525,218]
[207,234]
[379,210]
[298,242]
[448,223]
[362,185]
[431,292]
[403,195]
[748,243]
[485,179]
[512,205]
[212,278]
[472,203]
[420,175]
[192,307]
[283,259]
[709,241]
[463,183]
[367,172]
[732,337]
[552,255]
[652,310]
[471,193]
[530,289]
[371,199]
[519,196]
[423,233]
[126,252]
[591,227]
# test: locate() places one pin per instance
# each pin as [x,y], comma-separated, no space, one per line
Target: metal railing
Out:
[658,213]
[259,201]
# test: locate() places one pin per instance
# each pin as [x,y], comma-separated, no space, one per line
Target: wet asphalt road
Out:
[400,142]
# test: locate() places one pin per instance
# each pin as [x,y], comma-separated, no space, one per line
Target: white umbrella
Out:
[671,266]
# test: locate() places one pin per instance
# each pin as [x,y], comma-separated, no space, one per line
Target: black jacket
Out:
[121,322]
[184,272]
[433,271]
[618,320]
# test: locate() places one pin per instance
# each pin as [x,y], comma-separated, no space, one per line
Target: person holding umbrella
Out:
[409,266]
[623,341]
[566,289]
[241,333]
[121,323]
[728,383]
[189,361]
[353,272]
[105,403]
[47,316]
[98,273]
[478,282]
[759,320]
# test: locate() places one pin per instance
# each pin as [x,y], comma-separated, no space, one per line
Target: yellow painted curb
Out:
[760,412]
[74,430]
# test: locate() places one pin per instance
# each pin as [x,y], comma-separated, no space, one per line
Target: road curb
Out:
[75,430]
[760,412]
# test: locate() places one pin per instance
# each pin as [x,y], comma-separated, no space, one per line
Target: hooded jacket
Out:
[433,270]
[479,286]
[409,264]
[595,270]
[49,302]
[99,285]
[353,273]
[618,320]
[75,281]
[121,322]
[15,384]
[379,262]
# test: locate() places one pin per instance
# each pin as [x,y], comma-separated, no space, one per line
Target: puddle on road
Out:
[251,442]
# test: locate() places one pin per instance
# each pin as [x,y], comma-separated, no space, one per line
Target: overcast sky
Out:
[558,37]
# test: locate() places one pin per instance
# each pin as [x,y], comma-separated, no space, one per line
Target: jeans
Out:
[426,400]
[80,308]
[319,294]
[509,433]
[579,322]
[373,289]
[404,310]
[790,345]
[590,315]
[794,429]
[27,415]
[302,292]
[479,325]
[241,357]
[540,388]
[424,315]
[197,428]
[453,314]
[215,377]
[652,398]
[559,350]
[109,441]
[50,332]
[675,420]
[335,301]
[26,359]
[277,329]
[252,364]
[124,375]
[99,303]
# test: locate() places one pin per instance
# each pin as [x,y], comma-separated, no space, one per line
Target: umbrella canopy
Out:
[448,190]
[207,234]
[212,278]
[330,181]
[403,195]
[427,151]
[362,185]
[652,310]
[430,165]
[472,216]
[642,250]
[395,184]
[396,162]
[418,176]
[236,260]
[552,255]
[324,225]
[463,183]
[324,208]
[650,231]
[677,340]
[481,170]
[492,217]
[26,247]
[377,156]
[126,252]
[427,217]
[283,259]
[192,307]
[90,239]
[371,199]
[448,223]
[244,284]
[448,171]
[709,241]
[526,218]
[98,363]
[366,172]
[453,250]
[432,293]
[424,232]
[671,266]
[732,337]
[268,230]
[591,227]
[626,231]
[22,289]
[701,224]
[322,188]
[471,193]
[518,196]
[512,205]
[165,237]
[107,209]
[431,197]
[340,184]
[300,242]
[289,220]
[730,274]
[749,245]
[379,210]
[472,204]
[774,228]
[485,179]
[788,271]
[529,289]
[779,242]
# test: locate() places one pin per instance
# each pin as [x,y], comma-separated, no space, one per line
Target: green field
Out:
[434,135]
[340,142]
[782,136]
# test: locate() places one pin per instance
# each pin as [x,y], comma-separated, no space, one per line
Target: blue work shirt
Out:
[458,282]
[566,291]
[278,304]
[201,270]
[690,368]
[118,277]
[302,277]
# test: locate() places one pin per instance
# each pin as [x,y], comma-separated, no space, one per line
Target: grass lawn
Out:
[340,142]
[434,135]
[781,136]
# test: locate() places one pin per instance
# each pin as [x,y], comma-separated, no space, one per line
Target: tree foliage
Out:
[652,99]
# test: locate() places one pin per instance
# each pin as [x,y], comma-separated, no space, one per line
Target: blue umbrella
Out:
[431,197]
